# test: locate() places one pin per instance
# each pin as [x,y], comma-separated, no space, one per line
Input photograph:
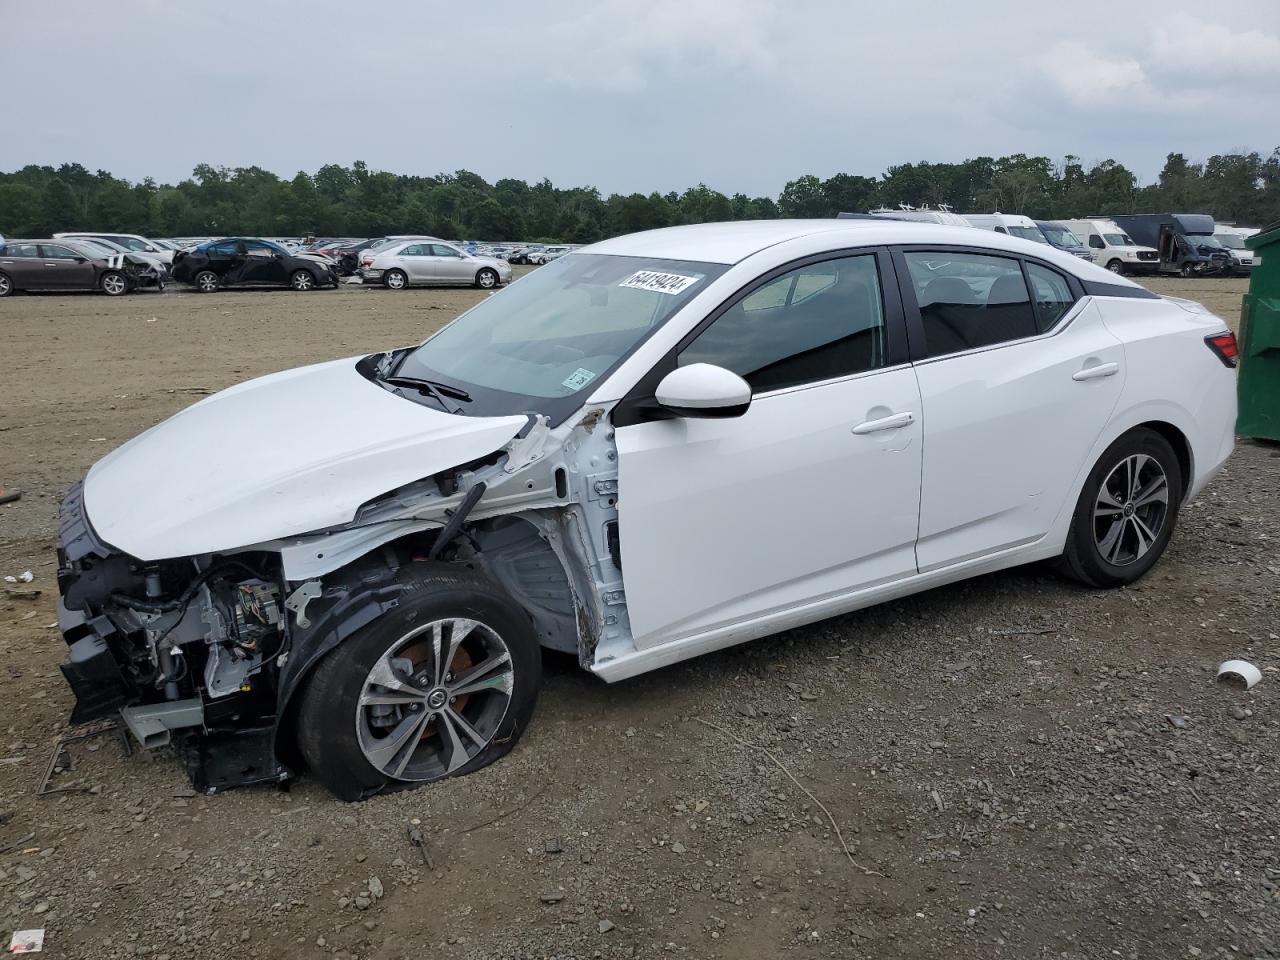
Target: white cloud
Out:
[1088,77]
[1183,43]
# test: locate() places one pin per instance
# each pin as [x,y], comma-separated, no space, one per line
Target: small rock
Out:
[1240,713]
[701,805]
[937,745]
[806,695]
[361,857]
[552,897]
[745,710]
[375,888]
[362,903]
[604,926]
[1177,722]
[677,847]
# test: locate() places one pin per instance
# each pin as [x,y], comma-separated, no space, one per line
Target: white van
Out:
[922,215]
[1233,238]
[1114,249]
[1014,224]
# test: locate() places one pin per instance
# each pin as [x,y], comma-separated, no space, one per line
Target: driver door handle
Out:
[893,422]
[1097,371]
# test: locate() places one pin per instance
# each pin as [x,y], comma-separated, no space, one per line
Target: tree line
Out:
[357,201]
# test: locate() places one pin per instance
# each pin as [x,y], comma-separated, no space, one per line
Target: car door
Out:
[264,264]
[812,493]
[416,261]
[22,263]
[64,269]
[450,265]
[1015,391]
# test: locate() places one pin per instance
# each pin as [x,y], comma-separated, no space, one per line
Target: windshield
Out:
[1028,233]
[1060,237]
[109,244]
[1118,240]
[1203,240]
[536,345]
[92,248]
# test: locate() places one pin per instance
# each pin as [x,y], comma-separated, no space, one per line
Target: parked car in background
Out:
[1233,240]
[554,252]
[943,215]
[1013,224]
[129,241]
[420,263]
[350,567]
[70,264]
[249,261]
[1184,242]
[1059,235]
[526,254]
[1112,248]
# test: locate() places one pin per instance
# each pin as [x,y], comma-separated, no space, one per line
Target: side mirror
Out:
[704,390]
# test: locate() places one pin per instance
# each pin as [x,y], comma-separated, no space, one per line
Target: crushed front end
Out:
[184,650]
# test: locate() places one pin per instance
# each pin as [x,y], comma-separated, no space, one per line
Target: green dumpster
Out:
[1259,383]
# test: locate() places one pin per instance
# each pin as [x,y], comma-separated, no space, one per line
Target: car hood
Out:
[279,456]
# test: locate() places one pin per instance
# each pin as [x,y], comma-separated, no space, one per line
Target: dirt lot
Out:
[1029,768]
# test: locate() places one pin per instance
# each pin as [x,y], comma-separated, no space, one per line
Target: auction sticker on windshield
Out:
[578,379]
[672,283]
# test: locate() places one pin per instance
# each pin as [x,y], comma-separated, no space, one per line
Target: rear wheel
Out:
[302,280]
[1126,512]
[395,280]
[206,281]
[439,686]
[6,285]
[114,283]
[1115,266]
[487,279]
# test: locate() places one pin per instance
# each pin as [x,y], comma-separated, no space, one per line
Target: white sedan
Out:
[431,263]
[653,447]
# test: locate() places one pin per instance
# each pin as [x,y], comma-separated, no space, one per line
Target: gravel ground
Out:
[1020,767]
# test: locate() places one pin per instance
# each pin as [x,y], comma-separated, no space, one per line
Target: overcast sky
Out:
[624,95]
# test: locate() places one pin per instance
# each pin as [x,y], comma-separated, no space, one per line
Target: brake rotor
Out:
[461,662]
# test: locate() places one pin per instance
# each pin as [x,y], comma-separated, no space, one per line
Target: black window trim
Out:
[911,309]
[640,405]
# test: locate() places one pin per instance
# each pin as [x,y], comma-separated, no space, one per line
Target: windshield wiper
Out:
[433,388]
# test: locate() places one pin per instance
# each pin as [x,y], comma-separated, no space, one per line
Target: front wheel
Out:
[114,283]
[1115,266]
[302,280]
[1126,512]
[395,280]
[1187,270]
[6,285]
[441,685]
[487,279]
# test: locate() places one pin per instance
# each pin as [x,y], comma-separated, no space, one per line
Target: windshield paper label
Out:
[672,283]
[578,379]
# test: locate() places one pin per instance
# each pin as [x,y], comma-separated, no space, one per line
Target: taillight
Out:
[1224,347]
[366,261]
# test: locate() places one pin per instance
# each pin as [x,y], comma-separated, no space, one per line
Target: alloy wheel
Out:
[5,286]
[487,279]
[434,700]
[302,280]
[113,284]
[207,282]
[395,280]
[1130,511]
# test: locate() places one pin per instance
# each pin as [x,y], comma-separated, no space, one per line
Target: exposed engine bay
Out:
[204,653]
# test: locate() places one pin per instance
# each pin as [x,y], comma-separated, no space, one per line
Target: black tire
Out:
[1089,556]
[113,283]
[6,285]
[329,712]
[1187,270]
[302,280]
[395,280]
[487,278]
[1115,266]
[206,281]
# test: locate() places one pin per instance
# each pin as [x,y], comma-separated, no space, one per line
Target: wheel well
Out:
[1181,448]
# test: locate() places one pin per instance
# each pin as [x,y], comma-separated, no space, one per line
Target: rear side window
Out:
[414,250]
[226,248]
[817,322]
[20,250]
[1052,295]
[970,300]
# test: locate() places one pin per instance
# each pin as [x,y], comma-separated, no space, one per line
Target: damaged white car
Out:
[651,448]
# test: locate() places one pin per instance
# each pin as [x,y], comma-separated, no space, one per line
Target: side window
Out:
[25,251]
[413,250]
[440,250]
[226,248]
[134,244]
[1095,241]
[259,250]
[817,322]
[1052,294]
[54,252]
[970,300]
[1001,230]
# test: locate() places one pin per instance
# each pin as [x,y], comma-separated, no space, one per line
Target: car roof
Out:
[733,242]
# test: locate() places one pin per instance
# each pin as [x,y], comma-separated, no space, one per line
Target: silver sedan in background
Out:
[423,263]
